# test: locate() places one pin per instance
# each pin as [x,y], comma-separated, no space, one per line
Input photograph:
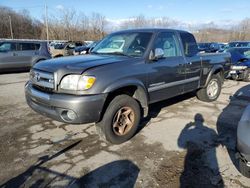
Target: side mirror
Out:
[156,54]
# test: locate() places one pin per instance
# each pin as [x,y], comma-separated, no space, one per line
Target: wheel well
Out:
[220,72]
[133,91]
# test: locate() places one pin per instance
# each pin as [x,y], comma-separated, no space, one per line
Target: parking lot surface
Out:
[184,142]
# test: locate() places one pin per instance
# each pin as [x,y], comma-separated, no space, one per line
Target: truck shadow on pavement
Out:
[200,165]
[122,173]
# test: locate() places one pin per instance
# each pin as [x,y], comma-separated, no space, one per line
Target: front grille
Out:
[43,89]
[42,80]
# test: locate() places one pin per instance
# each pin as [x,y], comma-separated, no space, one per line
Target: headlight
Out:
[77,82]
[238,67]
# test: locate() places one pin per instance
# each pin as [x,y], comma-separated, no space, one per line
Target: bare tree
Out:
[23,25]
[72,25]
[244,29]
[97,25]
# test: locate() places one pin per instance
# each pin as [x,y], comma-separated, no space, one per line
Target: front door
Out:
[167,73]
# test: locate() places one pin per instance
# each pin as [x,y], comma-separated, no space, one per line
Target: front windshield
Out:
[129,44]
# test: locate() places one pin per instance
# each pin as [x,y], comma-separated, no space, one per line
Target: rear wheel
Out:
[120,121]
[212,91]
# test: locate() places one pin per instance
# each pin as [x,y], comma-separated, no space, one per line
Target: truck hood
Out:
[77,64]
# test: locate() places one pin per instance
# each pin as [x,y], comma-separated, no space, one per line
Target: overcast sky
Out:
[189,11]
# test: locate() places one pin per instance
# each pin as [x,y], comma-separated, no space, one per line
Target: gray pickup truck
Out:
[114,85]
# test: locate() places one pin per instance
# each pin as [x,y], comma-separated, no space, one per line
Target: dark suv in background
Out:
[22,55]
[209,47]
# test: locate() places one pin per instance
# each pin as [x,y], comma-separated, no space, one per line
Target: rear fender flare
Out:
[215,69]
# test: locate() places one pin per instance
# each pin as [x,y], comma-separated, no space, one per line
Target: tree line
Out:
[76,26]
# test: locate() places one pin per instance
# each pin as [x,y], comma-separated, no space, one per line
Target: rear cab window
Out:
[190,46]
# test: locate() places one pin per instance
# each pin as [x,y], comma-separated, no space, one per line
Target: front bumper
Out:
[236,71]
[87,109]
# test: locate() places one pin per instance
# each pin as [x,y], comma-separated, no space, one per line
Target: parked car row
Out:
[240,54]
[210,47]
[64,49]
[84,49]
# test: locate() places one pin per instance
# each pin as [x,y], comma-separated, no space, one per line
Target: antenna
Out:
[46,21]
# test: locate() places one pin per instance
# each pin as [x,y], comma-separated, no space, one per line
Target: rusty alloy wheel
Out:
[123,121]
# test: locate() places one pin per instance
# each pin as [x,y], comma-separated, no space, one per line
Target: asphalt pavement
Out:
[184,142]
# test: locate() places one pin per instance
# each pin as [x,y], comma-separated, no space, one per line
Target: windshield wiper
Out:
[118,53]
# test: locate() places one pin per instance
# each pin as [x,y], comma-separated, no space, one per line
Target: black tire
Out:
[244,169]
[106,127]
[203,93]
[246,75]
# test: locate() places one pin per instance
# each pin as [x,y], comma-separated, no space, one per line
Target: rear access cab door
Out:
[193,61]
[178,71]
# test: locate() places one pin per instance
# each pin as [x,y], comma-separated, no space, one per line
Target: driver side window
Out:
[168,42]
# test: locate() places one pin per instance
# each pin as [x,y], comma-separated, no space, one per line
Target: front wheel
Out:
[120,121]
[212,91]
